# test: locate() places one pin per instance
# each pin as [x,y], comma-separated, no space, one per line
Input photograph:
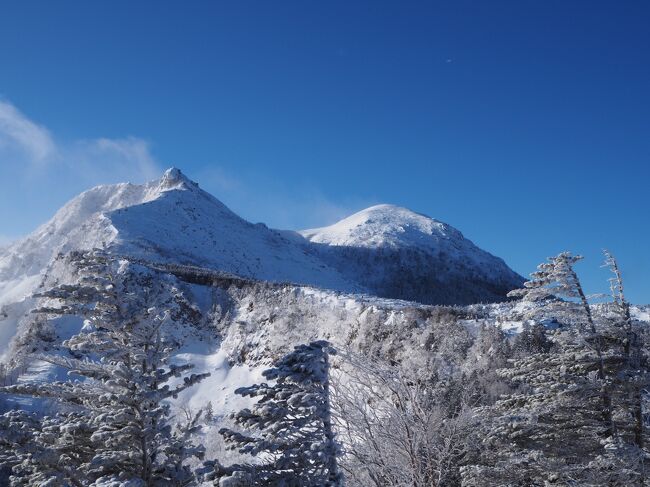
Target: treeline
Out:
[563,402]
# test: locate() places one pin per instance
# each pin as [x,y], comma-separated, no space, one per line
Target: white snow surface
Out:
[394,227]
[384,225]
[172,220]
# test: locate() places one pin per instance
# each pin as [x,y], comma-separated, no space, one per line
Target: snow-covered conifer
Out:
[36,451]
[574,416]
[489,353]
[290,427]
[555,280]
[122,356]
[532,339]
[208,414]
[624,460]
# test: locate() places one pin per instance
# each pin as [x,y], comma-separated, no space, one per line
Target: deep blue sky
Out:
[525,124]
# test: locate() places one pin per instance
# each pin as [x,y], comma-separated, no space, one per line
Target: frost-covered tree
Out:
[489,353]
[289,428]
[532,339]
[182,447]
[122,380]
[625,457]
[565,422]
[396,427]
[44,450]
[557,282]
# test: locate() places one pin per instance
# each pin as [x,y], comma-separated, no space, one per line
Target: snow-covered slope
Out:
[234,328]
[393,227]
[184,224]
[385,225]
[384,250]
[170,219]
[402,254]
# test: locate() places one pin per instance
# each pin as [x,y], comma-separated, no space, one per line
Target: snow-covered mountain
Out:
[169,220]
[236,296]
[402,254]
[384,250]
[173,220]
[386,226]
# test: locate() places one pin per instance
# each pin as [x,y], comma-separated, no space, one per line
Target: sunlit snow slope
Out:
[170,220]
[384,250]
[402,254]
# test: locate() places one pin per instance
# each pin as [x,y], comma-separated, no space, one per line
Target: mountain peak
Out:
[170,219]
[173,178]
[402,254]
[387,212]
[382,225]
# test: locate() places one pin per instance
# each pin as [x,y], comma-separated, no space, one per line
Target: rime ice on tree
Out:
[289,428]
[121,430]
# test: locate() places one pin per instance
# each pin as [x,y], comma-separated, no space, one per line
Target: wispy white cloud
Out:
[19,134]
[101,159]
[25,143]
[216,179]
[273,202]
[38,170]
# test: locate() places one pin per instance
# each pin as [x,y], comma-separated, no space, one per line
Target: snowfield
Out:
[172,220]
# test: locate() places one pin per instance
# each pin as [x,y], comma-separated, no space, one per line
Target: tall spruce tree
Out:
[289,428]
[123,378]
[625,457]
[565,423]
